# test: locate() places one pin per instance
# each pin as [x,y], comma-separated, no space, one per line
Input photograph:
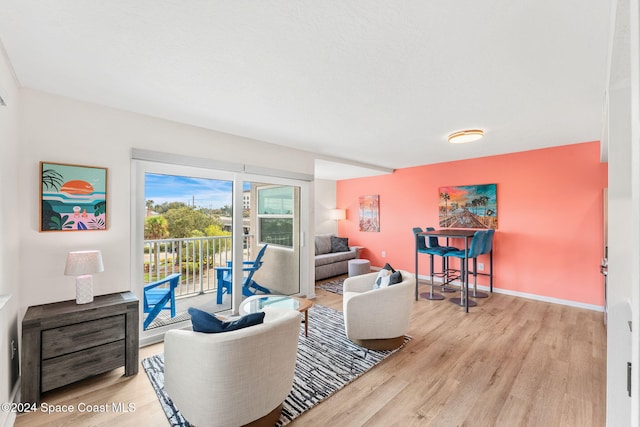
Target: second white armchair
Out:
[377,319]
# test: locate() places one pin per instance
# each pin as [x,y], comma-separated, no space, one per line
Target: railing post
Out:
[201,265]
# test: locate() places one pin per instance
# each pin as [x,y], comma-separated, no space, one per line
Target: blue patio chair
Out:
[158,296]
[249,286]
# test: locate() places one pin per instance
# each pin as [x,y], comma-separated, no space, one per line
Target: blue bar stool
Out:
[475,248]
[434,245]
[430,250]
[421,248]
[486,249]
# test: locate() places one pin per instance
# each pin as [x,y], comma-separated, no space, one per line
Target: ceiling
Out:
[377,82]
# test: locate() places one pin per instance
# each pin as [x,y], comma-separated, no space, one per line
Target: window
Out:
[275,215]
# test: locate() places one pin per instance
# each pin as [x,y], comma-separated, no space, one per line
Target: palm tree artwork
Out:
[72,197]
[468,206]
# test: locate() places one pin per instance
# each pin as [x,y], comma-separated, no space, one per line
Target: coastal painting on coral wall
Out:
[369,213]
[468,206]
[72,197]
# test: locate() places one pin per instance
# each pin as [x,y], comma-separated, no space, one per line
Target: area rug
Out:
[334,286]
[327,361]
[164,318]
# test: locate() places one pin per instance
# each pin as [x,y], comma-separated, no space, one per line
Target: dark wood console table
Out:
[65,342]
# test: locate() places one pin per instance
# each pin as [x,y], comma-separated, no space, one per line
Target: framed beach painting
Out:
[369,213]
[72,197]
[468,206]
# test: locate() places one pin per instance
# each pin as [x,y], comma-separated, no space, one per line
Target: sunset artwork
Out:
[468,206]
[73,198]
[369,213]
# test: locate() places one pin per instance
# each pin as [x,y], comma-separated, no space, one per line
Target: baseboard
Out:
[569,303]
[546,299]
[8,418]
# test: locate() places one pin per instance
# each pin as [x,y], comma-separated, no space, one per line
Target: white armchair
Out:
[377,319]
[233,378]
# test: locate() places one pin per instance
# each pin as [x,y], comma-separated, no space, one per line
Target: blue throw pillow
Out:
[210,324]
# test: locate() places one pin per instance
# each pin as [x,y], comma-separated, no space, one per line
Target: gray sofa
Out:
[330,263]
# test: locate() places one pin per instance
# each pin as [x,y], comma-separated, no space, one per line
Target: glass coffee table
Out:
[256,303]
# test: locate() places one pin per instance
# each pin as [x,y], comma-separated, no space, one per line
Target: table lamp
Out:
[83,264]
[337,214]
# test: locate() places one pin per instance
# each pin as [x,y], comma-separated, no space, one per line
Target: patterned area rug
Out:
[164,318]
[334,286]
[327,361]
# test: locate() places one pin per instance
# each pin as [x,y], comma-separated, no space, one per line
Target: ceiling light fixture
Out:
[465,136]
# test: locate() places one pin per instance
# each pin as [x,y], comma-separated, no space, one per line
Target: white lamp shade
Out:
[337,214]
[83,262]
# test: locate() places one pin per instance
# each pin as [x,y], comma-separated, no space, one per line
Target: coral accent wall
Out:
[549,240]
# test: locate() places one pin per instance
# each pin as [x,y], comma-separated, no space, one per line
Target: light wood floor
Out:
[509,362]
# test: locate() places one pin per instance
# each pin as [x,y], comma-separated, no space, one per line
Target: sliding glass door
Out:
[211,226]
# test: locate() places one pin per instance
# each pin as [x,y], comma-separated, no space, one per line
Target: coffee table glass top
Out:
[257,303]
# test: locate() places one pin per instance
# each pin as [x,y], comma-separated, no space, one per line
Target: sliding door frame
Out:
[143,162]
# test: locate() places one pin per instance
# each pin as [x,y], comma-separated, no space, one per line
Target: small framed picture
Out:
[369,213]
[72,197]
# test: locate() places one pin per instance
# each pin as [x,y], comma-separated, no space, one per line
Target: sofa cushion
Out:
[334,257]
[323,244]
[339,244]
[208,323]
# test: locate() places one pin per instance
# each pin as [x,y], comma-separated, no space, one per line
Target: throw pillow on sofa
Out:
[323,244]
[339,244]
[210,324]
[387,276]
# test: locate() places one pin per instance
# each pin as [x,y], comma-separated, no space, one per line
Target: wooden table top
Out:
[451,232]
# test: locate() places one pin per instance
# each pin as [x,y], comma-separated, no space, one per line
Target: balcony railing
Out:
[194,257]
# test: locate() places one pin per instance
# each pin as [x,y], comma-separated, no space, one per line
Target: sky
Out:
[206,193]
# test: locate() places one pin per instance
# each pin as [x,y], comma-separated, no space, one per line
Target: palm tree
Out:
[156,227]
[51,179]
[446,198]
[483,201]
[149,205]
[474,204]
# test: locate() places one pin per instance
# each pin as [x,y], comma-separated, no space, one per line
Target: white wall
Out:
[325,199]
[57,129]
[9,283]
[622,227]
[634,54]
[619,275]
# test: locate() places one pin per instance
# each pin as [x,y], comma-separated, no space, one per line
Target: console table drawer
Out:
[67,339]
[76,366]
